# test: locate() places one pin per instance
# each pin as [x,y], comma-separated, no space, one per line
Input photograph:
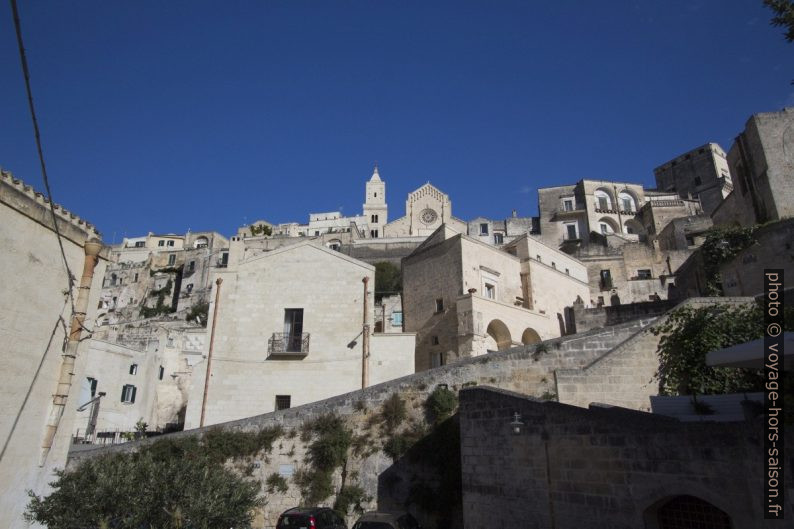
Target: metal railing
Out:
[288,343]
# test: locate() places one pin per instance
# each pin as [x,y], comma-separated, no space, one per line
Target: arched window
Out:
[626,201]
[603,200]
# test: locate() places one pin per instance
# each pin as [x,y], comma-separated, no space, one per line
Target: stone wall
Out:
[35,313]
[527,369]
[625,375]
[587,318]
[744,274]
[601,468]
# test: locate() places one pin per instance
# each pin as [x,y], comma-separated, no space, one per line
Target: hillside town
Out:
[484,370]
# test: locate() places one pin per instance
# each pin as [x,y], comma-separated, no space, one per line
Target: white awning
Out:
[751,354]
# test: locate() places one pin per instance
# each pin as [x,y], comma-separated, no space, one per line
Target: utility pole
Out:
[365,337]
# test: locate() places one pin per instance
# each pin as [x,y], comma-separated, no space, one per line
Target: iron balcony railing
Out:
[288,344]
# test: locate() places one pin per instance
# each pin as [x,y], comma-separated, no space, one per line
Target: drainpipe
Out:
[209,353]
[91,249]
[365,338]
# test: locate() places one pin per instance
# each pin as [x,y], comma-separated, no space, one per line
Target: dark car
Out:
[310,518]
[382,520]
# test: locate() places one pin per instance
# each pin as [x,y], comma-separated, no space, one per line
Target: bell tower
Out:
[375,207]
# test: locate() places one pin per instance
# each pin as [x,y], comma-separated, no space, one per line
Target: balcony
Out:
[605,284]
[288,344]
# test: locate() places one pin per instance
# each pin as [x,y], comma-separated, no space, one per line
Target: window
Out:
[293,330]
[224,262]
[690,240]
[136,278]
[602,200]
[644,274]
[498,238]
[484,228]
[191,266]
[374,219]
[570,232]
[698,181]
[92,386]
[627,204]
[605,280]
[170,243]
[440,305]
[160,243]
[316,232]
[283,402]
[171,259]
[396,318]
[436,359]
[434,340]
[133,369]
[568,204]
[128,393]
[161,373]
[567,272]
[554,265]
[140,244]
[490,291]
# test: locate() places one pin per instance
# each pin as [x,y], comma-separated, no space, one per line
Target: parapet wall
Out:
[19,196]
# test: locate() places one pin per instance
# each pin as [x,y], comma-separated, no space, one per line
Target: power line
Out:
[26,73]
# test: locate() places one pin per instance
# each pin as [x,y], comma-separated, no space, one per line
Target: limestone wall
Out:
[32,334]
[625,376]
[525,369]
[571,467]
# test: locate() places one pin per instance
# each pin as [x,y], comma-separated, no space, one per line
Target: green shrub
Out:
[393,412]
[690,333]
[168,484]
[351,497]
[276,483]
[441,404]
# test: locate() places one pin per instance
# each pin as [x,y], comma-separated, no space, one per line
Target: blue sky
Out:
[169,116]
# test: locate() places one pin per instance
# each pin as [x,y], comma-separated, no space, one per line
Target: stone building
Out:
[389,314]
[570,214]
[624,234]
[701,173]
[498,232]
[761,161]
[39,392]
[773,249]
[426,209]
[158,275]
[275,347]
[463,297]
[144,370]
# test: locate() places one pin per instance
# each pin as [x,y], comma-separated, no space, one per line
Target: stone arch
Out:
[633,226]
[611,224]
[334,244]
[603,197]
[530,336]
[500,334]
[201,242]
[676,512]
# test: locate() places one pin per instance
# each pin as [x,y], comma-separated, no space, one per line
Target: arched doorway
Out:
[686,512]
[530,336]
[500,334]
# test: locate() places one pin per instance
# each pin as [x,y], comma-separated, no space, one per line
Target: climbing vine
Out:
[690,333]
